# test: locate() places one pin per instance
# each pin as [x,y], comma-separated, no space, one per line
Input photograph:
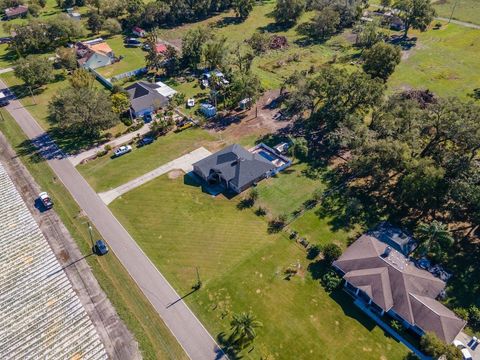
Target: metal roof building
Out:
[41,316]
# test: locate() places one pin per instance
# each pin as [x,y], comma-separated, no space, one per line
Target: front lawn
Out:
[242,268]
[153,336]
[105,173]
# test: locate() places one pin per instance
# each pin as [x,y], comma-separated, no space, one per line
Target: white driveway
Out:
[91,153]
[184,163]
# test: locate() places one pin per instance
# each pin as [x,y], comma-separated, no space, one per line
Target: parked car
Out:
[191,102]
[100,247]
[122,150]
[146,141]
[465,353]
[4,99]
[133,42]
[46,200]
[147,118]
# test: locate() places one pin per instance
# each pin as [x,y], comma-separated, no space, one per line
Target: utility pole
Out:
[198,284]
[453,9]
[33,97]
[90,230]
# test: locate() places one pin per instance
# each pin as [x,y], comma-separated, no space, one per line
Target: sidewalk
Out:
[88,154]
[184,163]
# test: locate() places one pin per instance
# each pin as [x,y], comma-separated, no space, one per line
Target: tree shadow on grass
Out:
[404,43]
[73,143]
[227,21]
[307,37]
[227,347]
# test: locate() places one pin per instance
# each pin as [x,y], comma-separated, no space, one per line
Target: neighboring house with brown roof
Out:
[94,54]
[16,12]
[387,282]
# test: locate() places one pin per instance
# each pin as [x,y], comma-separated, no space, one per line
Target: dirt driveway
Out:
[262,119]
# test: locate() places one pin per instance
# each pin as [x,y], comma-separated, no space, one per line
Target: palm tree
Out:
[435,238]
[243,329]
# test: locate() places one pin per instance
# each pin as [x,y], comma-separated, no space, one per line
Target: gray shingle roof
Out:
[143,96]
[236,165]
[393,282]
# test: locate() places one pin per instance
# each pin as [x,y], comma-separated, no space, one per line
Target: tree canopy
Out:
[381,59]
[287,12]
[416,14]
[82,108]
[34,70]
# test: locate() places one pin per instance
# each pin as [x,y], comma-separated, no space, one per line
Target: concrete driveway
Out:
[184,163]
[184,325]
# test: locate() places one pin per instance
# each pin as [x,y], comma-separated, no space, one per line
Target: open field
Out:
[104,173]
[241,268]
[465,10]
[155,340]
[442,61]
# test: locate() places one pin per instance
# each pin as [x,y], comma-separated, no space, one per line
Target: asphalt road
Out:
[184,325]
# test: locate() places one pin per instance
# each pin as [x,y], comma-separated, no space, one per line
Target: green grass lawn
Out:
[466,10]
[241,267]
[287,191]
[38,104]
[443,61]
[154,338]
[51,9]
[104,173]
[133,58]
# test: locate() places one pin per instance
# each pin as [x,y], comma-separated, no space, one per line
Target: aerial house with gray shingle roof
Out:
[385,281]
[235,168]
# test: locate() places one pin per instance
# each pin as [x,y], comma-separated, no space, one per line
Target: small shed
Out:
[16,12]
[138,31]
[208,110]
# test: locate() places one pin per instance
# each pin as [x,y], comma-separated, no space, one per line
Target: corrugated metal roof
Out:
[41,316]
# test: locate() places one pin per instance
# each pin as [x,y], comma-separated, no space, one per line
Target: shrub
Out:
[127,121]
[261,211]
[101,153]
[107,148]
[277,224]
[396,325]
[313,252]
[462,313]
[331,281]
[293,235]
[331,252]
[474,317]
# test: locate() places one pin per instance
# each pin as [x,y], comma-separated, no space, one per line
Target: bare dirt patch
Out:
[175,174]
[261,119]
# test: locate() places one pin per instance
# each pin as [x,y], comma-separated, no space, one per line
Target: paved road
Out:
[90,153]
[184,163]
[184,325]
[458,22]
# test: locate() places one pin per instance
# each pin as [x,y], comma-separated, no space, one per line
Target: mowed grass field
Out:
[105,173]
[443,61]
[287,191]
[154,338]
[242,268]
[465,10]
